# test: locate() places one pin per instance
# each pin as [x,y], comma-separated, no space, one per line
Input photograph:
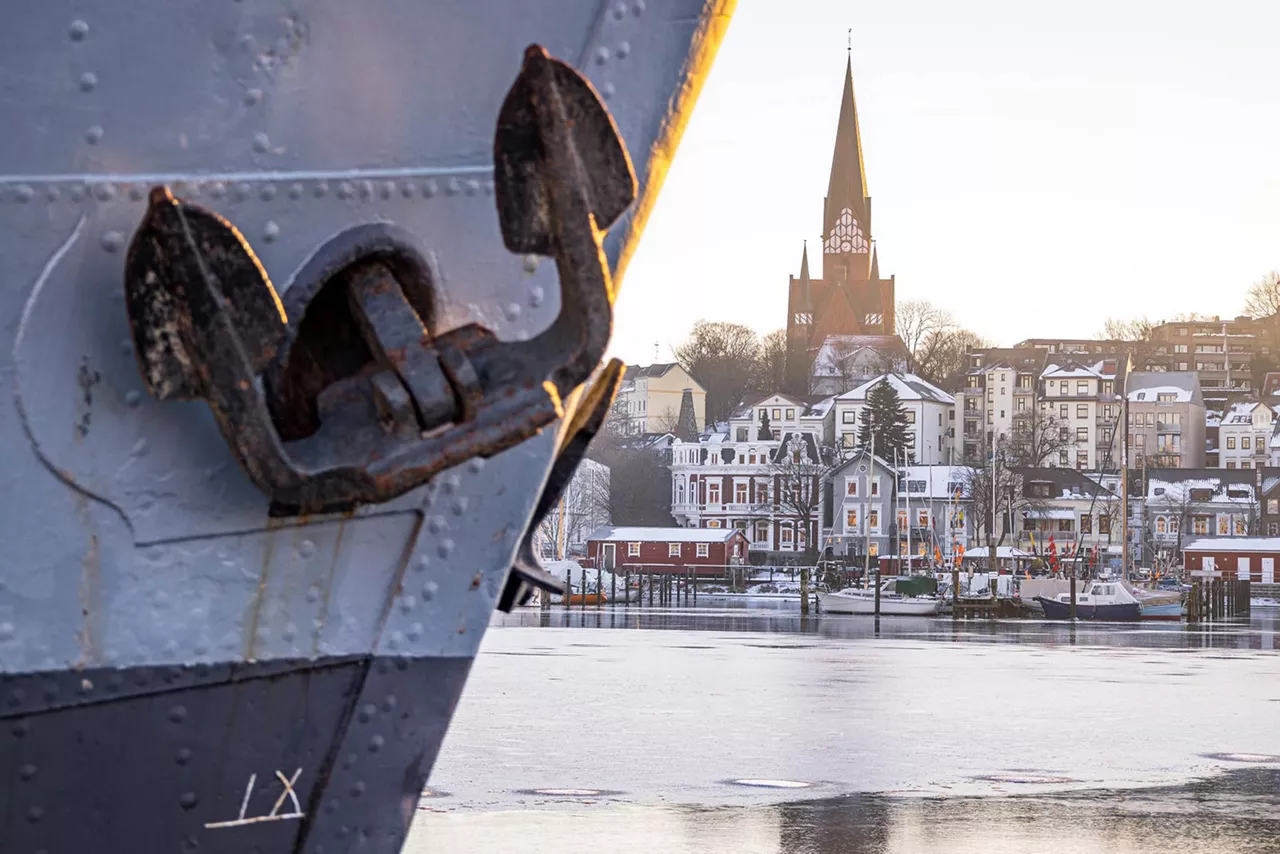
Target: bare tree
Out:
[582,508]
[946,354]
[771,368]
[1038,439]
[665,421]
[799,469]
[724,359]
[917,320]
[1263,299]
[1005,501]
[1137,334]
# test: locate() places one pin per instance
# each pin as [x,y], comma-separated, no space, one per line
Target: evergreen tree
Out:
[885,417]
[765,432]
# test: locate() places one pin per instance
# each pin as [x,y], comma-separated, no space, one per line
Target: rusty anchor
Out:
[359,400]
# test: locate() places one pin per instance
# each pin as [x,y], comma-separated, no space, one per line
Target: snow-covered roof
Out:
[908,386]
[1239,413]
[821,408]
[609,533]
[1072,368]
[1176,490]
[1212,418]
[1147,395]
[1234,544]
[1050,513]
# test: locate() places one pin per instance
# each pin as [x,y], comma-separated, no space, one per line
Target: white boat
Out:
[860,600]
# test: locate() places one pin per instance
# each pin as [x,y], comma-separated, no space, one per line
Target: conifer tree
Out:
[884,416]
[765,432]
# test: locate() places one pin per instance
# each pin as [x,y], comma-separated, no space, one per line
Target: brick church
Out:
[850,299]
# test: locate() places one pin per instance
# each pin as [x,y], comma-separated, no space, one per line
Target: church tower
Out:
[850,298]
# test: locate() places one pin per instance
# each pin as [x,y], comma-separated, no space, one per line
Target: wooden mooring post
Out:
[584,588]
[955,592]
[568,588]
[1073,594]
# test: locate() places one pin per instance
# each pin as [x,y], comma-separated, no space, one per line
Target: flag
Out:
[1053,555]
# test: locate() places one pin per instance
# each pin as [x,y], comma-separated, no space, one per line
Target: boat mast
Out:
[866,575]
[1124,475]
[906,497]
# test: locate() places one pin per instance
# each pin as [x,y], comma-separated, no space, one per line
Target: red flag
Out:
[1053,555]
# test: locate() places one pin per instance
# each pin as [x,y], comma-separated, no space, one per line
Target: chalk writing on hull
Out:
[275,814]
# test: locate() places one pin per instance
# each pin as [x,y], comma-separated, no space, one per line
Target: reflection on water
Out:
[1233,812]
[1261,631]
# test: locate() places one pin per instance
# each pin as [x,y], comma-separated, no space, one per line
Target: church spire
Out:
[804,263]
[875,264]
[847,186]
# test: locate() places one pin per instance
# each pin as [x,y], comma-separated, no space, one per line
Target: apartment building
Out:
[1167,422]
[1081,395]
[1072,346]
[1231,357]
[999,385]
[930,415]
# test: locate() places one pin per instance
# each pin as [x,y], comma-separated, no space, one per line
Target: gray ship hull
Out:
[183,667]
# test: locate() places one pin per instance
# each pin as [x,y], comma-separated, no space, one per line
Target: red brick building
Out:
[709,551]
[1252,558]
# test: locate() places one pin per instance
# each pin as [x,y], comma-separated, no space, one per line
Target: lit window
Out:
[851,488]
[851,520]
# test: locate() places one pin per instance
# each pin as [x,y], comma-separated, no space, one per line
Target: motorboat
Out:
[1158,604]
[898,597]
[1100,600]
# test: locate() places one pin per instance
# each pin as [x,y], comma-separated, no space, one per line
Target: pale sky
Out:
[1034,167]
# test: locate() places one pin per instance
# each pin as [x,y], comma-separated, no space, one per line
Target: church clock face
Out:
[846,236]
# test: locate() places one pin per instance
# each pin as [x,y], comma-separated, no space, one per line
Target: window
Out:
[1063,410]
[803,317]
[847,417]
[1273,506]
[713,492]
[703,549]
[1245,464]
[873,520]
[1224,525]
[902,520]
[1022,404]
[1231,464]
[1140,440]
[1106,412]
[1065,526]
[1082,387]
[740,493]
[1062,458]
[873,549]
[1231,442]
[851,520]
[1104,523]
[991,416]
[1238,526]
[714,523]
[633,550]
[791,413]
[788,536]
[922,518]
[1161,525]
[851,487]
[673,550]
[915,486]
[762,532]
[875,486]
[1244,442]
[1179,348]
[1082,434]
[762,494]
[777,414]
[1151,419]
[1082,410]
[1086,523]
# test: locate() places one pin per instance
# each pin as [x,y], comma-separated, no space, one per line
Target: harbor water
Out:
[748,727]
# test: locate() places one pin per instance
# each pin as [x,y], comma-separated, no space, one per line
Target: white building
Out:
[1083,397]
[930,416]
[1243,435]
[732,476]
[846,361]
